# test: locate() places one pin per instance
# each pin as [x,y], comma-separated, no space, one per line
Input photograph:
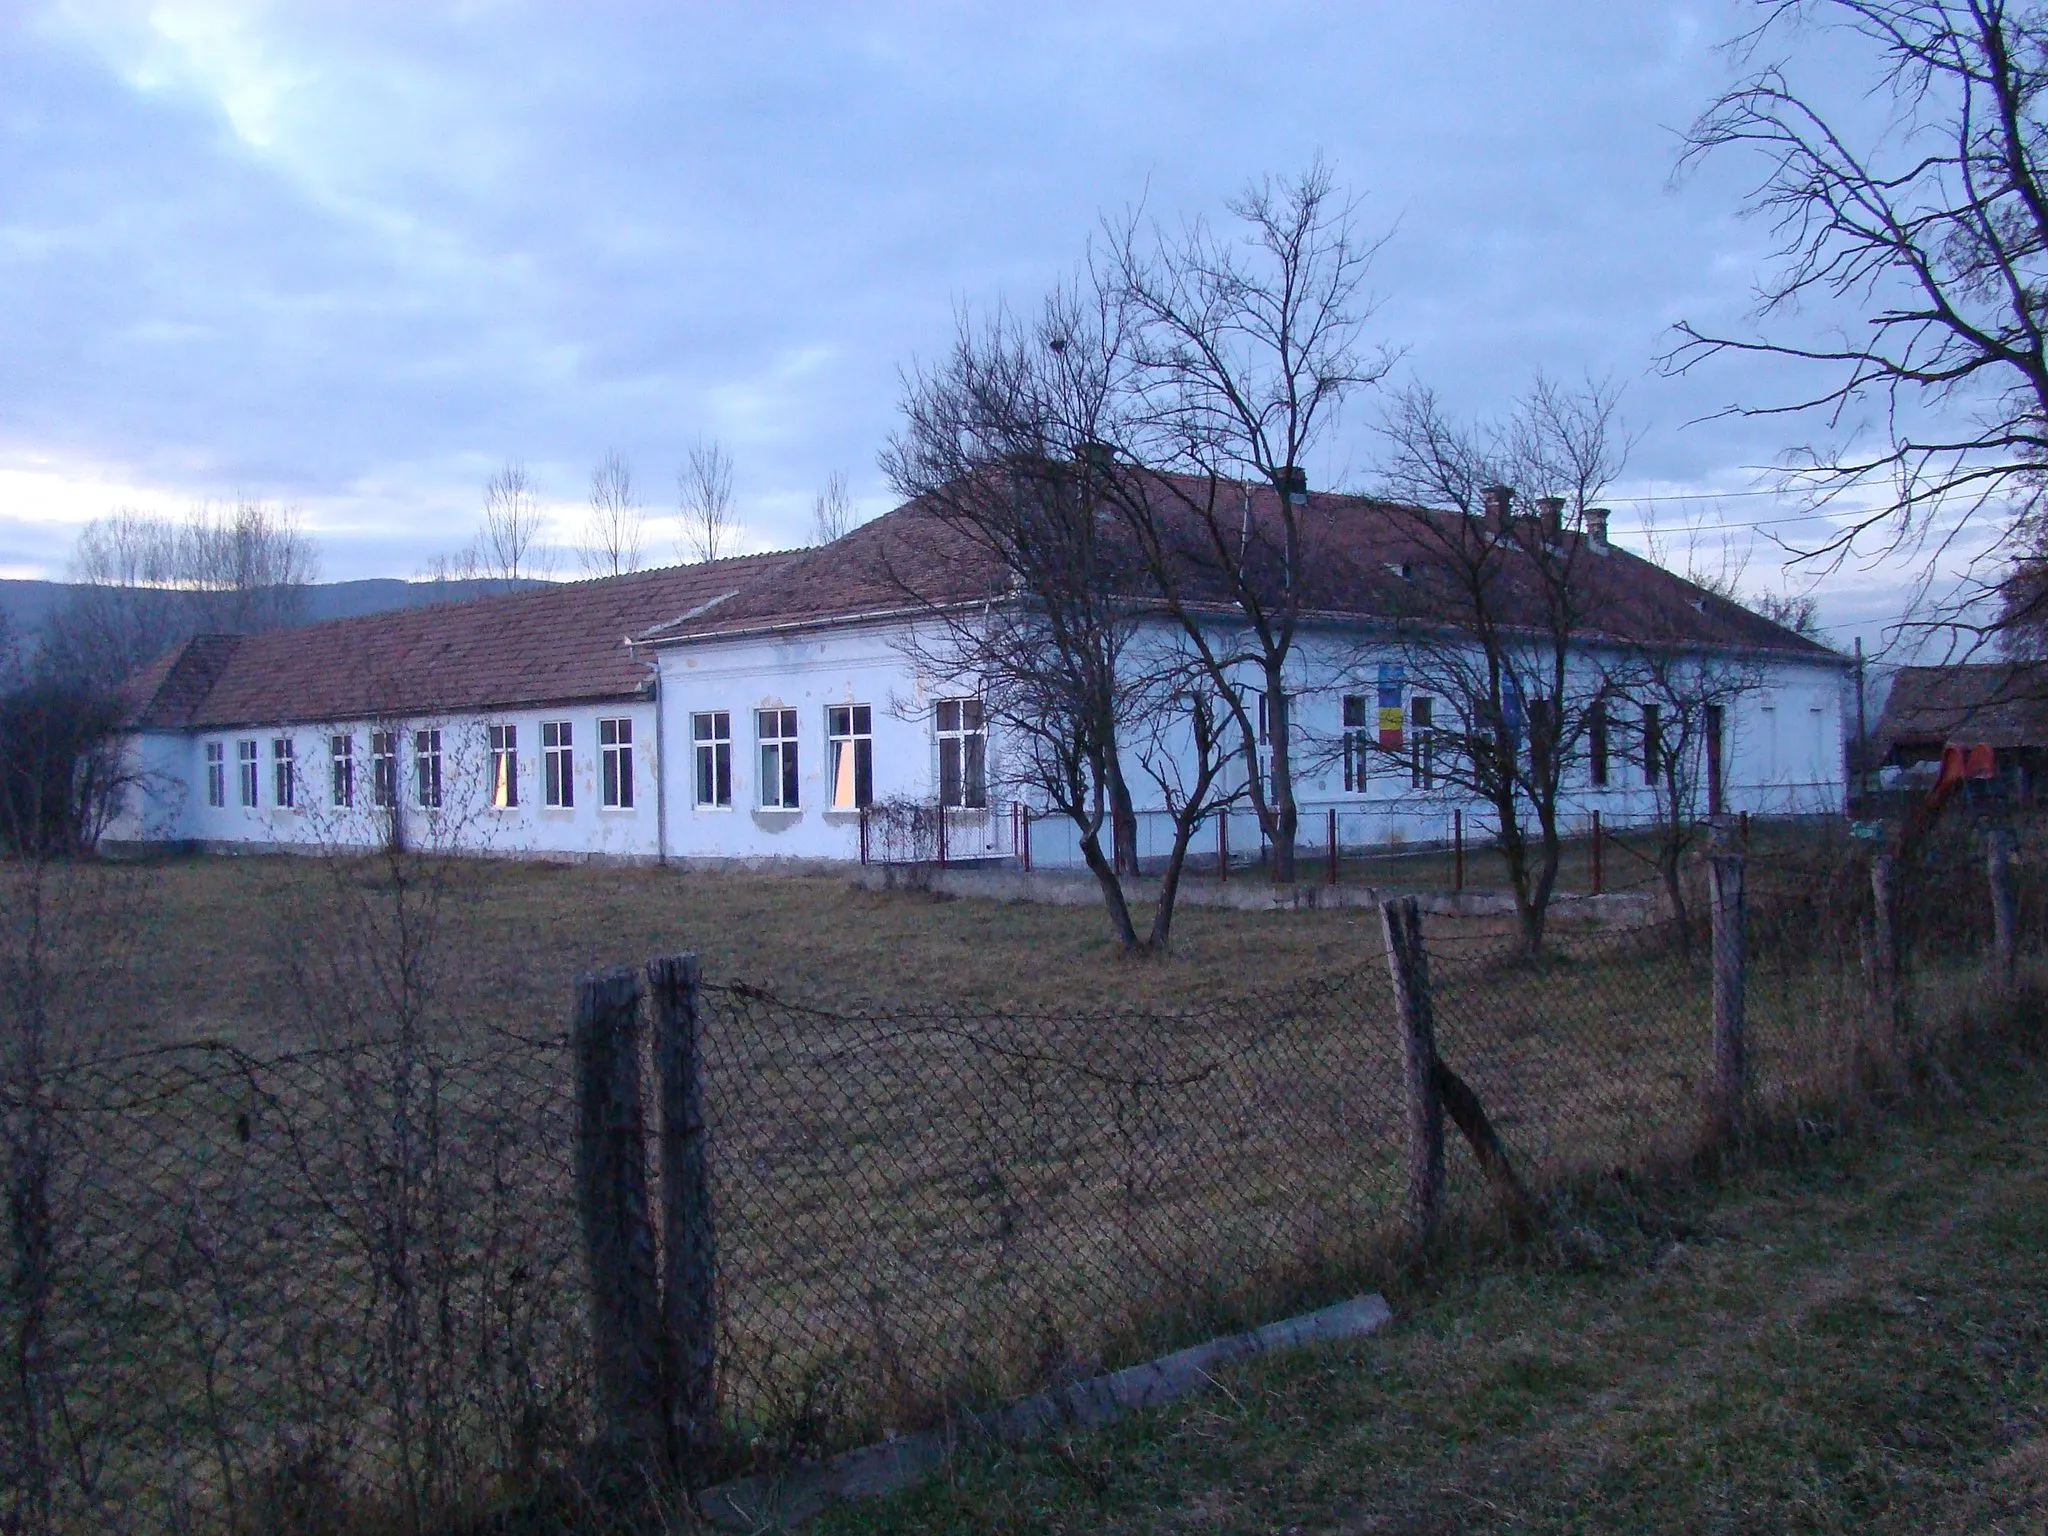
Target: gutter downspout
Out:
[660,756]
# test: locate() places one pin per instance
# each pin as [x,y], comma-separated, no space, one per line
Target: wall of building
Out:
[173,800]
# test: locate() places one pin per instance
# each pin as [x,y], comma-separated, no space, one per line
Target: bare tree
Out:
[704,494]
[832,510]
[1003,445]
[1925,226]
[1498,609]
[617,521]
[145,582]
[1796,611]
[509,548]
[1240,352]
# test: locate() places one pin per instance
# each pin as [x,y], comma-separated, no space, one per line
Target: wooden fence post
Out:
[689,1247]
[618,1239]
[2004,912]
[1408,964]
[1884,964]
[1731,1068]
[1027,839]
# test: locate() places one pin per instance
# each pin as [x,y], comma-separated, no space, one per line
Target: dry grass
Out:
[1853,1339]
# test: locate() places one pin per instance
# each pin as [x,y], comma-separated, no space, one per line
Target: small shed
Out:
[2001,705]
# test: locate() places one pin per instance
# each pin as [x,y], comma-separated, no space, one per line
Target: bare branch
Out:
[704,493]
[617,522]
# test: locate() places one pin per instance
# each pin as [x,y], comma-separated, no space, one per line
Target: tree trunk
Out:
[1123,822]
[1285,816]
[1113,899]
[1184,828]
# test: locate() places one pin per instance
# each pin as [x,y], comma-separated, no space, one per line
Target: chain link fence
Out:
[382,1285]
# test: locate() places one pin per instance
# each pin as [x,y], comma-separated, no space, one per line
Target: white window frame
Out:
[341,770]
[558,764]
[850,756]
[967,738]
[615,766]
[383,769]
[711,740]
[245,771]
[502,792]
[284,772]
[775,733]
[426,763]
[216,774]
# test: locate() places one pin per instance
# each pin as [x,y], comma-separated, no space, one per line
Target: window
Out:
[384,769]
[284,777]
[1421,743]
[712,731]
[1715,764]
[776,729]
[426,752]
[245,770]
[1357,744]
[1542,738]
[850,743]
[615,750]
[341,775]
[963,754]
[216,773]
[1596,745]
[1653,744]
[558,764]
[504,766]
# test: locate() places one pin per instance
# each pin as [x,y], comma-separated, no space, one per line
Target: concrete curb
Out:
[1059,888]
[782,1500]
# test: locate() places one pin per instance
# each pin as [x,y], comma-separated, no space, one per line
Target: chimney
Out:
[1292,482]
[1500,507]
[1596,526]
[1097,456]
[1552,510]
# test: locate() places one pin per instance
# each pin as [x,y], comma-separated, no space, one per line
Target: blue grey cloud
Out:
[354,256]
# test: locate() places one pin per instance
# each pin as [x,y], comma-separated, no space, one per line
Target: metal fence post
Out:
[1408,964]
[1457,850]
[1223,844]
[2004,912]
[689,1247]
[1026,834]
[1596,854]
[1333,845]
[611,1190]
[1724,873]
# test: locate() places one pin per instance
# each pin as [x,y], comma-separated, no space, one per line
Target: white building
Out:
[755,709]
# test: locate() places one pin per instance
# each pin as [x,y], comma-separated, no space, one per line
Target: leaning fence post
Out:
[611,1190]
[1724,874]
[2004,913]
[1408,964]
[689,1248]
[1884,962]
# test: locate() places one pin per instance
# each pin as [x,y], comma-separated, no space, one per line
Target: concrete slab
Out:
[787,1499]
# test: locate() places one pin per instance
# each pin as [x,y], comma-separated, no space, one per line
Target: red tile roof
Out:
[1357,548]
[556,644]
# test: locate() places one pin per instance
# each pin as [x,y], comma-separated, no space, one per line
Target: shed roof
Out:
[2000,704]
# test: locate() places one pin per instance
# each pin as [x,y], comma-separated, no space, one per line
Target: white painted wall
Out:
[1784,756]
[174,802]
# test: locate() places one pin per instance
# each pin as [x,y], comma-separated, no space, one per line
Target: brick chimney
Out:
[1500,508]
[1596,526]
[1552,510]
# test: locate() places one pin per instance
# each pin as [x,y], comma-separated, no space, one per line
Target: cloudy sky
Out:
[353,256]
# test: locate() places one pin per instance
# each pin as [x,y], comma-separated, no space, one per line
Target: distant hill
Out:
[28,604]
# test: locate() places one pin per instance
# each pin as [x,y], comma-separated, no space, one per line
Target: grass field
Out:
[958,1146]
[1856,1342]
